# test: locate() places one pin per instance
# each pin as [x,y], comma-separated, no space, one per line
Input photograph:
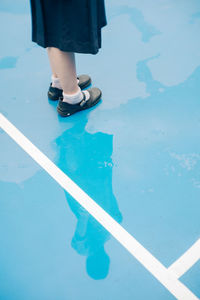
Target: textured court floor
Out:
[137,154]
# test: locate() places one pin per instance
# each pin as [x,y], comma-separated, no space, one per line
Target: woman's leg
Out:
[52,62]
[63,66]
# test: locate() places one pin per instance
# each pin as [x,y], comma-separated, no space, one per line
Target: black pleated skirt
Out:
[70,25]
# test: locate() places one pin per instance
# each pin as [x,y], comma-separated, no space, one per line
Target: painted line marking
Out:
[159,271]
[186,261]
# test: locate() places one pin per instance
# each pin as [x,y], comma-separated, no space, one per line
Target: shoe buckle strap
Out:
[83,100]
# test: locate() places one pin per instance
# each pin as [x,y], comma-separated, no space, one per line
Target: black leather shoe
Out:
[54,93]
[65,109]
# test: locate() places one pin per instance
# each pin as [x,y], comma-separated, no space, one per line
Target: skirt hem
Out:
[69,45]
[82,49]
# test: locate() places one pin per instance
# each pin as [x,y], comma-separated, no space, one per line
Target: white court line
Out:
[186,261]
[163,275]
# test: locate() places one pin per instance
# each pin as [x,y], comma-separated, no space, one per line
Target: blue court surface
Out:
[137,155]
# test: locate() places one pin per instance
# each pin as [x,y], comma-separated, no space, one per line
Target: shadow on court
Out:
[86,159]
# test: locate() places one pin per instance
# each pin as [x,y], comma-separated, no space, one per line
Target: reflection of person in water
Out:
[86,158]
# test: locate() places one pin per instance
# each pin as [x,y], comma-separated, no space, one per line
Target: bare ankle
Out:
[71,92]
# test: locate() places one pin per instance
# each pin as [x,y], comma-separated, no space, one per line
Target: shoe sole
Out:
[62,114]
[54,98]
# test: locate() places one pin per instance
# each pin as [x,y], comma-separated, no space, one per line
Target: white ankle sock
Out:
[56,82]
[75,98]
